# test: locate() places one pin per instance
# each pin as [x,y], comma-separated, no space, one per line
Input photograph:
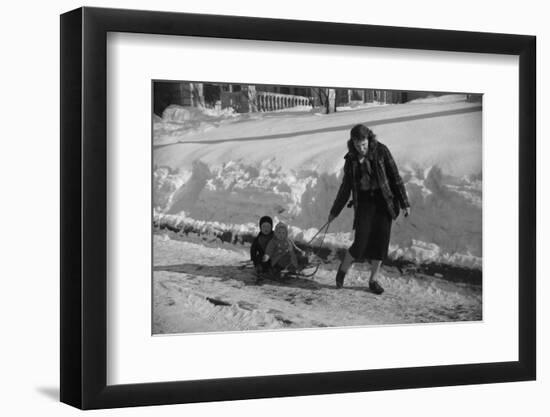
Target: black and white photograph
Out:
[243,209]
[278,207]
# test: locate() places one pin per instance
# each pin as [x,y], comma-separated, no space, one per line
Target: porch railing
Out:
[266,101]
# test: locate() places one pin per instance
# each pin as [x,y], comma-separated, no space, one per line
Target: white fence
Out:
[266,101]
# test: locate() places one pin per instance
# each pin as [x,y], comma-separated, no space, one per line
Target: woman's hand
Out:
[265,258]
[407,211]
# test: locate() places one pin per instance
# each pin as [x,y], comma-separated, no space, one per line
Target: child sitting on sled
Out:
[282,253]
[257,250]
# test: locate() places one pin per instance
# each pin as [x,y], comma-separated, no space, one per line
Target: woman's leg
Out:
[346,262]
[379,240]
[343,269]
[374,270]
[374,285]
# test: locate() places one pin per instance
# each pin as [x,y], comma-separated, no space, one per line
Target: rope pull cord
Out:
[320,246]
[326,225]
[325,228]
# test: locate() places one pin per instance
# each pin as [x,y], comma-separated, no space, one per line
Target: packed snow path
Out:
[201,286]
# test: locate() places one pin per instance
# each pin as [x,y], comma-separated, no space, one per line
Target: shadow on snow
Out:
[247,276]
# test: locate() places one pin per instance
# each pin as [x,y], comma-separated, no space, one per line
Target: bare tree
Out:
[250,91]
[326,97]
[197,94]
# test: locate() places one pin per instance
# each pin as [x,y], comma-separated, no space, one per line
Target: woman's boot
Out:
[343,269]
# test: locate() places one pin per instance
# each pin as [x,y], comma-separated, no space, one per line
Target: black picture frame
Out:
[84,179]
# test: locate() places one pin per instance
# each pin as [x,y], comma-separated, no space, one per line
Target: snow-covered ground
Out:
[205,285]
[216,173]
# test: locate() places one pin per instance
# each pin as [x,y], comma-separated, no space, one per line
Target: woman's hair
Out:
[361,132]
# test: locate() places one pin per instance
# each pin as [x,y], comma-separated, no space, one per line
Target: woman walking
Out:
[378,195]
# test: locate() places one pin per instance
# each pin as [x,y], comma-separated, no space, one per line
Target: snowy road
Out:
[202,286]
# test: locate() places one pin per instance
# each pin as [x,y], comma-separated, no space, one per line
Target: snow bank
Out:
[175,113]
[447,98]
[293,109]
[360,106]
[222,182]
[403,246]
[179,122]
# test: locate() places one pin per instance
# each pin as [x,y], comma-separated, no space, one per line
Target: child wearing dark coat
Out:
[259,245]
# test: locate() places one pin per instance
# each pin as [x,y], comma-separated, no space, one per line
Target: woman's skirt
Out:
[372,227]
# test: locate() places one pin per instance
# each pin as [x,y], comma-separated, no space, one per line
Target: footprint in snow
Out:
[283,320]
[218,302]
[247,306]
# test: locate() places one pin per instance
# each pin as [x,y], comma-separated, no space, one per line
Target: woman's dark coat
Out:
[387,175]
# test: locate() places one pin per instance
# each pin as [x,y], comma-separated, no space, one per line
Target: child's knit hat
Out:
[266,219]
